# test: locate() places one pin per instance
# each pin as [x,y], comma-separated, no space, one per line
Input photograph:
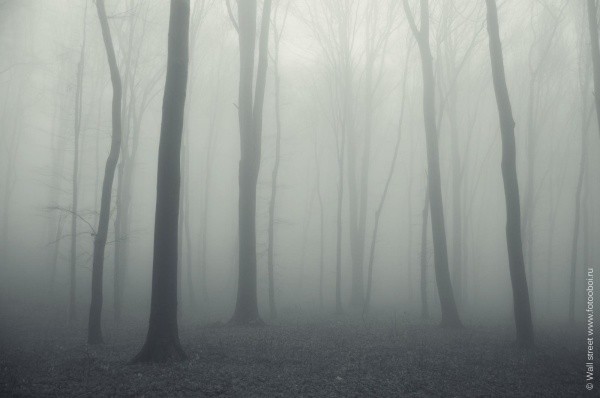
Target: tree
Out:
[423,257]
[516,264]
[95,318]
[162,341]
[250,120]
[385,191]
[335,36]
[595,48]
[533,134]
[453,39]
[277,33]
[75,178]
[450,316]
[197,18]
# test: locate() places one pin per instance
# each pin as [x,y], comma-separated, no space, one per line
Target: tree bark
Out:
[95,317]
[450,316]
[162,342]
[250,120]
[518,278]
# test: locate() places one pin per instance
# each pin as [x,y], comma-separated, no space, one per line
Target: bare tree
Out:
[75,179]
[533,132]
[511,187]
[250,119]
[450,316]
[162,341]
[277,33]
[385,190]
[95,318]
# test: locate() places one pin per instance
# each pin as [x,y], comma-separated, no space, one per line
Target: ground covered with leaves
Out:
[339,357]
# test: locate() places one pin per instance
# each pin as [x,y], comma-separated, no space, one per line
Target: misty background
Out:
[548,70]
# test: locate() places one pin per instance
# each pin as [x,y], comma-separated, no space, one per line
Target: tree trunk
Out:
[384,194]
[162,342]
[595,48]
[450,316]
[424,229]
[511,187]
[94,325]
[75,187]
[321,228]
[250,120]
[457,241]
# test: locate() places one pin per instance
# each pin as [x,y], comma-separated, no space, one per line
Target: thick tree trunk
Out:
[511,187]
[595,48]
[162,342]
[250,120]
[450,316]
[94,325]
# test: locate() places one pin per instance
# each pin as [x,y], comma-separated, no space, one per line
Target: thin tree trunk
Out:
[95,325]
[321,226]
[338,265]
[409,215]
[75,183]
[385,191]
[424,229]
[274,174]
[457,241]
[511,187]
[450,316]
[162,342]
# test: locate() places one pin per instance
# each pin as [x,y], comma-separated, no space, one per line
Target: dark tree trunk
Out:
[511,187]
[450,316]
[250,120]
[94,325]
[595,48]
[162,342]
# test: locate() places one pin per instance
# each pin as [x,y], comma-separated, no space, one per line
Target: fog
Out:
[344,84]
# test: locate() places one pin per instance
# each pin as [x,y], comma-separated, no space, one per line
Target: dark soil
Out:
[326,358]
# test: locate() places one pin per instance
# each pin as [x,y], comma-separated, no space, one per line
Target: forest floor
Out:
[343,357]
